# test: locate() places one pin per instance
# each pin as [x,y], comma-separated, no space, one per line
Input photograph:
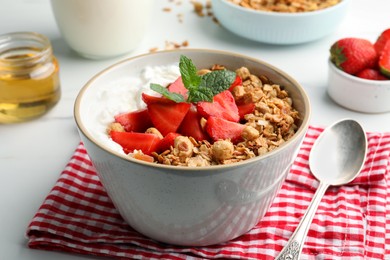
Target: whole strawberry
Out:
[371,74]
[353,55]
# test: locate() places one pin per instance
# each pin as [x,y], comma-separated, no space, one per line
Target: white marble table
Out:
[32,154]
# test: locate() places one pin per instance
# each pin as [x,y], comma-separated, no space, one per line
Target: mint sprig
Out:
[200,88]
[166,93]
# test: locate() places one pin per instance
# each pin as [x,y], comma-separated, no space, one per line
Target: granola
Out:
[273,122]
[286,6]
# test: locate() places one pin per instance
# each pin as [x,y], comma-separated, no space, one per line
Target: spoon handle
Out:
[293,249]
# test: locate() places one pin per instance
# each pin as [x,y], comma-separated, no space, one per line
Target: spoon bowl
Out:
[336,158]
[339,153]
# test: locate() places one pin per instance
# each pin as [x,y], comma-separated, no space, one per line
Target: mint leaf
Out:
[218,80]
[166,93]
[188,71]
[201,94]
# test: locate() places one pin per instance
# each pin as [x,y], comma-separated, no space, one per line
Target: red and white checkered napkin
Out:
[351,221]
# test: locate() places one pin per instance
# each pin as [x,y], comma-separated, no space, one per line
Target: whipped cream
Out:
[124,95]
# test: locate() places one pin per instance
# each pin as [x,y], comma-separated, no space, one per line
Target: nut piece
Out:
[183,147]
[238,93]
[243,73]
[250,133]
[203,72]
[222,150]
[198,8]
[115,127]
[154,131]
[203,123]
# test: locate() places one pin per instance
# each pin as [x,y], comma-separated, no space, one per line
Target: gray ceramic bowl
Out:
[181,205]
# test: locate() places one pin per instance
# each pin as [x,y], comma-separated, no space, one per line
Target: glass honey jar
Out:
[29,77]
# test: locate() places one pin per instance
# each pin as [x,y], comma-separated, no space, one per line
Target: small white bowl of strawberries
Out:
[359,73]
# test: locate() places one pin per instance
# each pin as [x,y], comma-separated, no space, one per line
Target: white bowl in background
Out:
[276,27]
[181,205]
[362,95]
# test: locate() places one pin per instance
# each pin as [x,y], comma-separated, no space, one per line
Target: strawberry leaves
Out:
[200,88]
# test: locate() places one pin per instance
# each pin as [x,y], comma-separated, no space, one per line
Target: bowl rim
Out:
[83,129]
[366,82]
[285,14]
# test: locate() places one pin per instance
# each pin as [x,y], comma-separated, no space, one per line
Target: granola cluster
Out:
[272,123]
[286,6]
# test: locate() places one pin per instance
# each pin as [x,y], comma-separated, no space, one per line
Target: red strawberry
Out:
[372,74]
[381,41]
[131,141]
[178,87]
[167,142]
[148,99]
[166,116]
[136,121]
[221,129]
[384,60]
[353,55]
[237,82]
[244,109]
[191,125]
[223,106]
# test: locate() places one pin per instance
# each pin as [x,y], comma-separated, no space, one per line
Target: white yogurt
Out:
[124,95]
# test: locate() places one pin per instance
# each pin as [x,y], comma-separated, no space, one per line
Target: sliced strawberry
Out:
[244,109]
[167,142]
[371,74]
[178,87]
[237,82]
[131,141]
[223,106]
[381,41]
[167,116]
[191,125]
[384,60]
[148,99]
[136,121]
[221,129]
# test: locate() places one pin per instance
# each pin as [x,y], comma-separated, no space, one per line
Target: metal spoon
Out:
[336,158]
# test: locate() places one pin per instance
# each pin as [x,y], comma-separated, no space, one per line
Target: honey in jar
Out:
[29,77]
